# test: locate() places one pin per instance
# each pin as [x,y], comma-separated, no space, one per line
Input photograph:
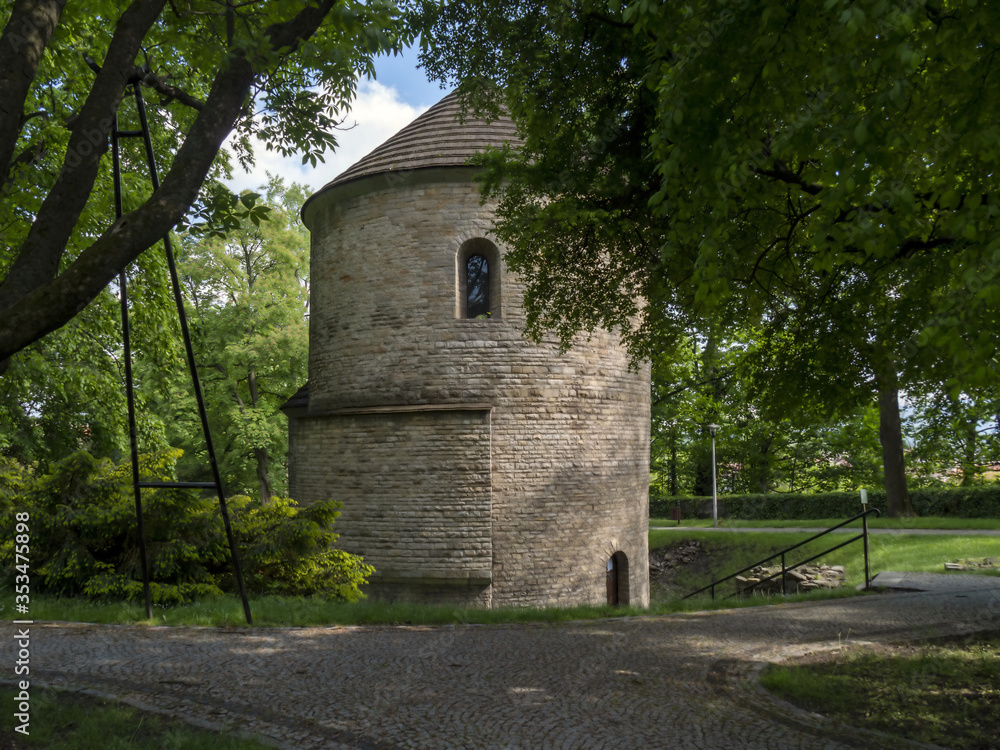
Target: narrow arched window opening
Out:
[477,287]
[477,277]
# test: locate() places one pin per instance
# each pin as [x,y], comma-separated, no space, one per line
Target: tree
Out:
[249,299]
[955,431]
[66,393]
[279,68]
[791,164]
[763,445]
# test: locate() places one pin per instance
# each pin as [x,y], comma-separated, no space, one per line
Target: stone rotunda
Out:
[474,466]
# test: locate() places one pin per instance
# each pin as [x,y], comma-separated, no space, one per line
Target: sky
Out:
[399,94]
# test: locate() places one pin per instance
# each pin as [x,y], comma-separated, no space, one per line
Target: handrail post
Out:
[864,532]
[783,592]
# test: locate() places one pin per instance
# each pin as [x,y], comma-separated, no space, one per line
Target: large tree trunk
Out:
[890,433]
[22,46]
[970,439]
[703,465]
[259,452]
[263,476]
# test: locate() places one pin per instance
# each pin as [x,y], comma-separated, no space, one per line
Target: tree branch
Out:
[172,92]
[22,45]
[51,304]
[39,255]
[783,173]
[30,155]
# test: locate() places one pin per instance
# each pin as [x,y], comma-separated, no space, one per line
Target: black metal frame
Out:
[137,485]
[863,515]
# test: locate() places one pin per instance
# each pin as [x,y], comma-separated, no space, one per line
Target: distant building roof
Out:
[435,139]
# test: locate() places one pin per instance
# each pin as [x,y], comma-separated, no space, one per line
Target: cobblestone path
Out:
[676,681]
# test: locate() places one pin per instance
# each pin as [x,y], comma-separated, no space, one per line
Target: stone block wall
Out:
[415,488]
[567,455]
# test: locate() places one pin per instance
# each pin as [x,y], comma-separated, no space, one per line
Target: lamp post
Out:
[713,428]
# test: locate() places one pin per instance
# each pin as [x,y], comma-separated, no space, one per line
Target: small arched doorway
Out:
[617,574]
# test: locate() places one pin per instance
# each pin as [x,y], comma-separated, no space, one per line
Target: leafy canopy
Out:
[283,70]
[249,300]
[747,162]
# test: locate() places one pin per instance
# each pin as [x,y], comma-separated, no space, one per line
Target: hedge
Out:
[979,501]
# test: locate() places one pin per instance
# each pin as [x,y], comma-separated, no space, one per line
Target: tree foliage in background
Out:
[819,172]
[248,299]
[956,435]
[760,448]
[85,543]
[280,69]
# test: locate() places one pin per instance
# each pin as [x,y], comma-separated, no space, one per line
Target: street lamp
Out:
[713,428]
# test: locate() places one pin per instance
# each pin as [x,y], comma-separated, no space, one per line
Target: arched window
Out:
[477,273]
[477,287]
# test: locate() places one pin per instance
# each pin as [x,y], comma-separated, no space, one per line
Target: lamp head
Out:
[713,428]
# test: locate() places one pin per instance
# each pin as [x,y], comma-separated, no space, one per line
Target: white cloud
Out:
[378,112]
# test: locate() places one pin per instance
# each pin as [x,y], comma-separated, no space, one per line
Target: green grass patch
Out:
[927,522]
[946,694]
[274,611]
[727,553]
[304,611]
[71,721]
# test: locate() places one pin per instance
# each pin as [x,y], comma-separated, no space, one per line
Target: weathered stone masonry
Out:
[473,465]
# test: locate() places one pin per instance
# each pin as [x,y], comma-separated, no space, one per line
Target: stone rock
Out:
[801,578]
[986,563]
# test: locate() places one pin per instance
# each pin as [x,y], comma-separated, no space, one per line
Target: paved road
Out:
[677,681]
[817,529]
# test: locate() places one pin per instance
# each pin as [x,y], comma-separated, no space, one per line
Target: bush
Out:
[981,501]
[84,539]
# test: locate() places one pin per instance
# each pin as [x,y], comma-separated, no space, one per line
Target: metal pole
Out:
[783,591]
[192,365]
[129,391]
[864,532]
[715,490]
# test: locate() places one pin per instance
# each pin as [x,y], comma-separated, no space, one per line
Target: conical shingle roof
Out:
[435,139]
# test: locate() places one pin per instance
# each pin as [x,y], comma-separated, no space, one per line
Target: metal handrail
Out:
[863,515]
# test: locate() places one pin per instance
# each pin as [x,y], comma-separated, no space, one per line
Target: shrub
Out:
[982,501]
[285,549]
[84,539]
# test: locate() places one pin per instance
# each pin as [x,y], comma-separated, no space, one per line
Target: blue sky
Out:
[399,94]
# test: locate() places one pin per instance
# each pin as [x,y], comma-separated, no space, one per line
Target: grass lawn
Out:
[924,522]
[727,553]
[724,555]
[944,693]
[71,721]
[303,611]
[273,611]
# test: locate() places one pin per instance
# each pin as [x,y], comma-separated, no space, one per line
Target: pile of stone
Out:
[987,563]
[672,557]
[803,578]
